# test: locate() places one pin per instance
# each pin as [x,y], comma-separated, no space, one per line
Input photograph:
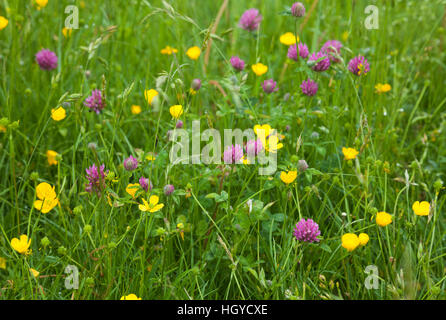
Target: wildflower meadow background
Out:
[91,207]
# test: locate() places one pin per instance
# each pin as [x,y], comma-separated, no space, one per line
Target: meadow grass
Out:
[207,242]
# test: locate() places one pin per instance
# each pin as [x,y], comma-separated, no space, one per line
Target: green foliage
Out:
[225,232]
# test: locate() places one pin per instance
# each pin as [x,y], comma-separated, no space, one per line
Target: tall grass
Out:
[226,250]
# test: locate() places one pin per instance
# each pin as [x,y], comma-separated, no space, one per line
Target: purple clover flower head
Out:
[303,50]
[302,165]
[237,63]
[179,124]
[307,231]
[46,59]
[196,84]
[298,9]
[168,189]
[322,65]
[250,20]
[95,101]
[145,184]
[233,154]
[359,66]
[131,163]
[96,179]
[332,48]
[309,87]
[293,51]
[253,147]
[269,86]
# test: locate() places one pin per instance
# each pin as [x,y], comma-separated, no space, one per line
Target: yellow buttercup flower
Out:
[130,297]
[259,69]
[132,188]
[350,241]
[67,32]
[2,263]
[150,157]
[193,52]
[269,137]
[34,272]
[272,144]
[383,219]
[2,129]
[48,198]
[363,239]
[58,114]
[51,156]
[349,153]
[136,109]
[421,208]
[168,50]
[41,3]
[288,39]
[3,22]
[152,206]
[180,226]
[22,245]
[345,36]
[383,88]
[263,130]
[288,177]
[150,95]
[176,111]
